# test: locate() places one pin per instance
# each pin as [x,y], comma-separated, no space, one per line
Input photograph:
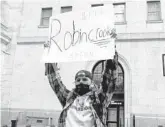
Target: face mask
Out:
[82,89]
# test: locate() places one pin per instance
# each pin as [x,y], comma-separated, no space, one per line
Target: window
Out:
[119,10]
[46,14]
[66,9]
[154,11]
[39,121]
[97,5]
[13,123]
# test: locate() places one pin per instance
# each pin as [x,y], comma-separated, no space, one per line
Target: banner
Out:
[81,36]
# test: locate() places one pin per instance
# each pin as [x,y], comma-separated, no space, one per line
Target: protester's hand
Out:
[113,33]
[47,44]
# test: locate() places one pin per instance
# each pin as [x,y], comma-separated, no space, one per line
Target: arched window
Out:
[97,72]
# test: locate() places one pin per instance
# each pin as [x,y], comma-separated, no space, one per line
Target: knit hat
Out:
[83,73]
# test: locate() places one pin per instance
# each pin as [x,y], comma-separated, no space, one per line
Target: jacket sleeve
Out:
[55,82]
[109,79]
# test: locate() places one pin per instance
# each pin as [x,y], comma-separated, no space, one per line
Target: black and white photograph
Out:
[82,63]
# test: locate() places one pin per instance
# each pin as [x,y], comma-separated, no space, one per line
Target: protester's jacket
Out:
[100,97]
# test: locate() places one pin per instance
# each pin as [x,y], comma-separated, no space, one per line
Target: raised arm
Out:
[55,82]
[107,82]
[109,78]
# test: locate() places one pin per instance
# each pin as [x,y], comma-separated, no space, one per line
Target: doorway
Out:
[116,115]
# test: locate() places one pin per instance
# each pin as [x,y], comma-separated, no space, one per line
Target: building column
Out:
[49,121]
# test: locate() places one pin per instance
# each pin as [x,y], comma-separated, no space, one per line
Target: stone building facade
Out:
[140,44]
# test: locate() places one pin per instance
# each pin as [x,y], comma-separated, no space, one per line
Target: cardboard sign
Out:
[81,36]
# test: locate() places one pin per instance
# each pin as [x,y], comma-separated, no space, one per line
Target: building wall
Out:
[29,117]
[144,94]
[30,85]
[140,46]
[6,55]
[136,21]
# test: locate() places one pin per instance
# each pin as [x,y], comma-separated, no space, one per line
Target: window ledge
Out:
[156,21]
[120,23]
[40,26]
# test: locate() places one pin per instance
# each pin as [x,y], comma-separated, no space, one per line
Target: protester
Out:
[85,105]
